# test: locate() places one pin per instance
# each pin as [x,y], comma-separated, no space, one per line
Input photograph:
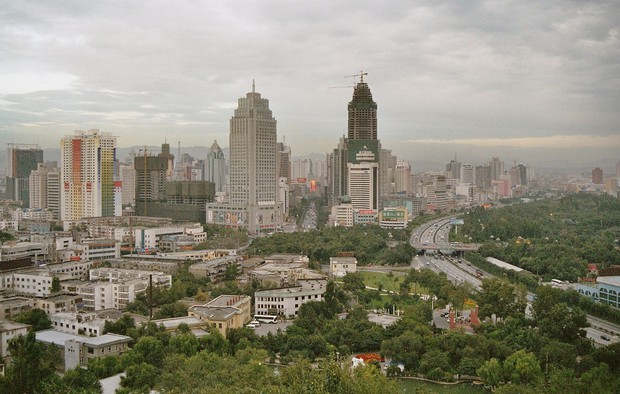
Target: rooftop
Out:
[609,280]
[59,338]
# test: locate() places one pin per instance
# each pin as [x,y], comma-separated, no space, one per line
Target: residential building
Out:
[59,302]
[87,175]
[16,250]
[10,307]
[43,185]
[8,331]
[77,350]
[82,323]
[127,176]
[215,269]
[287,301]
[402,178]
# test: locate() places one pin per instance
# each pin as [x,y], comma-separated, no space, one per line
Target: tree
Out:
[140,377]
[121,326]
[32,364]
[37,318]
[500,297]
[491,372]
[55,284]
[82,380]
[522,368]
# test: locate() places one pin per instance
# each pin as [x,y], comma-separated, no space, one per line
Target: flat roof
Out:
[609,280]
[216,313]
[9,325]
[503,264]
[59,338]
[175,321]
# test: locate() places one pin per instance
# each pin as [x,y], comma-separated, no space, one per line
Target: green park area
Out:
[417,386]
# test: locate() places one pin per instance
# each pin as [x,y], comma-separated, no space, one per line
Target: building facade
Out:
[287,301]
[87,175]
[253,202]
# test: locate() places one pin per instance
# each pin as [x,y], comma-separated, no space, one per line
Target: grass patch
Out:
[389,282]
[414,386]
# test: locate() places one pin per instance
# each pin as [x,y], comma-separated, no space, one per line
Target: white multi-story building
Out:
[87,175]
[9,225]
[467,174]
[8,331]
[32,214]
[78,323]
[127,176]
[402,178]
[36,282]
[363,184]
[344,213]
[149,238]
[76,269]
[287,301]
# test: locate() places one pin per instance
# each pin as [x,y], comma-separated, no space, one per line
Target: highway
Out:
[434,236]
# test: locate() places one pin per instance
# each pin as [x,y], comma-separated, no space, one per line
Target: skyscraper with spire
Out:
[215,167]
[253,200]
[358,153]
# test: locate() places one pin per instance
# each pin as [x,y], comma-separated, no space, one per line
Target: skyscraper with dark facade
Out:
[21,160]
[360,146]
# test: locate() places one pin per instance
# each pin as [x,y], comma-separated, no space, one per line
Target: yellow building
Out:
[225,312]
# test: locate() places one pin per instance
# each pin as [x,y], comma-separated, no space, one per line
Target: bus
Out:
[266,318]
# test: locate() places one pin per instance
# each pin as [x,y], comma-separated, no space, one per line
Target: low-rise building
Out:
[59,302]
[97,249]
[224,313]
[76,269]
[10,307]
[215,269]
[340,266]
[606,290]
[8,331]
[84,323]
[78,350]
[12,250]
[287,301]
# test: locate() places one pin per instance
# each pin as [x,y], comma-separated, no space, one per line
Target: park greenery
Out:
[369,244]
[552,238]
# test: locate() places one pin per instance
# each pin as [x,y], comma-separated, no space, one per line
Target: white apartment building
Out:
[149,238]
[287,301]
[36,282]
[32,214]
[402,178]
[84,323]
[97,249]
[76,269]
[344,214]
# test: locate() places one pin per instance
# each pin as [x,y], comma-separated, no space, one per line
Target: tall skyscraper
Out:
[402,178]
[467,173]
[453,169]
[597,176]
[363,185]
[253,201]
[44,192]
[215,167]
[87,175]
[497,169]
[362,113]
[483,177]
[21,160]
[361,138]
[151,173]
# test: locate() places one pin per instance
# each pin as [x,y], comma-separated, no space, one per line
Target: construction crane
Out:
[361,75]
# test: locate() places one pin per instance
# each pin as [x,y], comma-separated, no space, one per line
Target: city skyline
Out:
[520,81]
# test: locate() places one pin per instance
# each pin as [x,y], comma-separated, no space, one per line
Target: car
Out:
[252,325]
[604,337]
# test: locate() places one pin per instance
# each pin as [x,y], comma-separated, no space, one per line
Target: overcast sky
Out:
[533,80]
